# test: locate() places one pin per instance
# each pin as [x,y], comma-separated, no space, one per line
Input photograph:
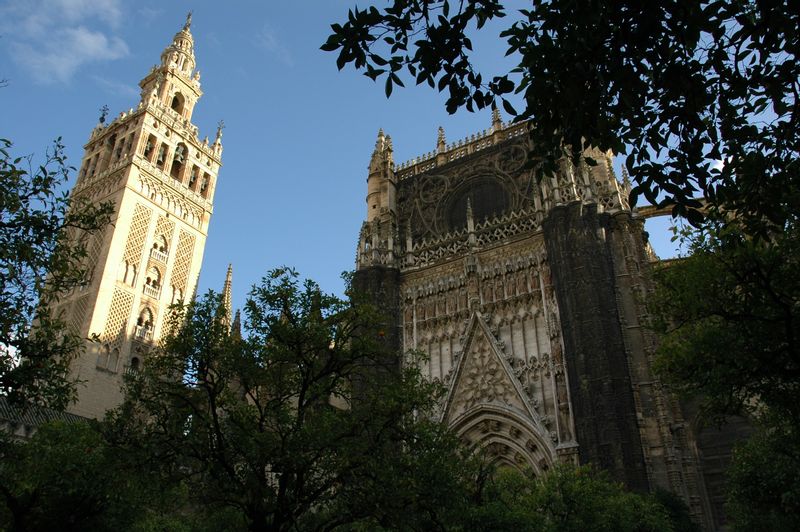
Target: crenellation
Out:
[460,148]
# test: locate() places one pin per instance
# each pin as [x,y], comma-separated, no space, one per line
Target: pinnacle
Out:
[497,122]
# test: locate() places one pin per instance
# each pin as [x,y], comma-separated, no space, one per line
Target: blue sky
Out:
[298,133]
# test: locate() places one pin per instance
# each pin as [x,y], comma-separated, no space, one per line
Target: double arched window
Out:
[161,244]
[145,319]
[127,273]
[153,277]
[108,358]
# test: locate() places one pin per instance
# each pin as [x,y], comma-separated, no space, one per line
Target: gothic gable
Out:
[483,377]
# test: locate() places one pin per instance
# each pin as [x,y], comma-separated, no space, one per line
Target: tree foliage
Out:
[275,426]
[62,479]
[764,493]
[564,500]
[43,236]
[69,477]
[676,86]
[728,320]
[728,316]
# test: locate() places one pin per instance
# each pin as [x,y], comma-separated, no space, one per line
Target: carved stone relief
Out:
[426,202]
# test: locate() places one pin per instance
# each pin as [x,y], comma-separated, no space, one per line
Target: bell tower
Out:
[150,163]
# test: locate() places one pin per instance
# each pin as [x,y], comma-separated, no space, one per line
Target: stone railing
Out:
[160,256]
[152,291]
[487,233]
[143,333]
[459,149]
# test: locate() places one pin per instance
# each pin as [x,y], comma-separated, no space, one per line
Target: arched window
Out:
[135,363]
[108,152]
[153,277]
[144,324]
[161,244]
[145,319]
[177,103]
[149,147]
[177,295]
[161,160]
[205,185]
[113,359]
[487,197]
[193,177]
[103,356]
[118,149]
[178,161]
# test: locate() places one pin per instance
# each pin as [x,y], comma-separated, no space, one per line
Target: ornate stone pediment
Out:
[483,376]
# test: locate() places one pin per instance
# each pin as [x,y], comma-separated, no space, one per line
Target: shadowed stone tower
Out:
[528,298]
[150,163]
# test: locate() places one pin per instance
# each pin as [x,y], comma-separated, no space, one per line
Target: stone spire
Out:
[174,82]
[227,297]
[236,326]
[441,141]
[382,153]
[497,122]
[626,179]
[217,146]
[220,127]
[180,53]
[470,218]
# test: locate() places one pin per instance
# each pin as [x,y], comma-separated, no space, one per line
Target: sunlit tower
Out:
[150,163]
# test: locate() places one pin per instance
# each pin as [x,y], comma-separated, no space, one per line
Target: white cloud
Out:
[52,39]
[116,88]
[149,14]
[268,40]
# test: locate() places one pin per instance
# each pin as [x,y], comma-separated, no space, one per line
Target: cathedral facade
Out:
[529,298]
[527,295]
[150,163]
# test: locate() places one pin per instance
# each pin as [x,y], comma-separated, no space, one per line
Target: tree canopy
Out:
[272,424]
[727,317]
[701,96]
[43,239]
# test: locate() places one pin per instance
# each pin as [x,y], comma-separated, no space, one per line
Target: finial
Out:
[220,127]
[470,218]
[380,143]
[389,142]
[441,143]
[227,296]
[103,114]
[626,180]
[497,122]
[188,21]
[236,327]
